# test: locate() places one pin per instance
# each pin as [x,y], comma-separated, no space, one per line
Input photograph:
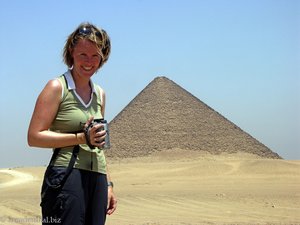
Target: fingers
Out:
[111,211]
[97,135]
[112,206]
[99,140]
[112,202]
[88,122]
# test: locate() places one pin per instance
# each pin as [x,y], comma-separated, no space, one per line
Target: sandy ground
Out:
[177,188]
[16,178]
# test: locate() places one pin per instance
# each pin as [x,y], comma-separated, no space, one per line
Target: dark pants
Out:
[82,200]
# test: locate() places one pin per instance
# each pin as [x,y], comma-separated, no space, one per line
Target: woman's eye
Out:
[83,56]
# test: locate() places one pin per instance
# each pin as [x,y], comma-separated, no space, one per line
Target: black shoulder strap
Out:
[71,163]
[54,155]
[69,168]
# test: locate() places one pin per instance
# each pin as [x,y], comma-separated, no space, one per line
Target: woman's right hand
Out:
[96,133]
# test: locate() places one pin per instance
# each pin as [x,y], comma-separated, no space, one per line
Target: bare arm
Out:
[103,103]
[44,113]
[112,200]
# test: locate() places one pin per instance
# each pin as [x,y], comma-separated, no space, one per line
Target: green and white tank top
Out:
[71,116]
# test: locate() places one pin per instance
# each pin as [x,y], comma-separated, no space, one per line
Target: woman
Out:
[77,188]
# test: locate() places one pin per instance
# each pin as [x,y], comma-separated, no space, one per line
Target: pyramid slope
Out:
[165,116]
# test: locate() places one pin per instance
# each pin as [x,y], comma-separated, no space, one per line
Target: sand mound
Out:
[17,178]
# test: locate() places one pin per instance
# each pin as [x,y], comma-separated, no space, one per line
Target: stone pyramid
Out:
[165,116]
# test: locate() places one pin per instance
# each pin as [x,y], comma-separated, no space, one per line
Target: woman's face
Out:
[86,58]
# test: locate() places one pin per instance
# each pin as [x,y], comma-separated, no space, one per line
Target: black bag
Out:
[54,179]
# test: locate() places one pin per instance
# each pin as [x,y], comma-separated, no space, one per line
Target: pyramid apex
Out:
[161,78]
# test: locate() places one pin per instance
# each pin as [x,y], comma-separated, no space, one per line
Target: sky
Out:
[240,57]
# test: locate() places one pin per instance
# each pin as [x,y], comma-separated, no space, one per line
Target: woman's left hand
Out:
[112,201]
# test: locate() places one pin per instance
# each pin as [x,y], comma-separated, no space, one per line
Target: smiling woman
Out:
[88,32]
[76,178]
[86,59]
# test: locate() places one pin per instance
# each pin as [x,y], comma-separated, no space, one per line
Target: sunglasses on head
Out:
[87,31]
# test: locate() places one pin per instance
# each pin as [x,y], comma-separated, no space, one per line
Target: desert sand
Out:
[177,187]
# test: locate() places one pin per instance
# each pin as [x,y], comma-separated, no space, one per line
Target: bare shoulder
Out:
[54,85]
[52,91]
[101,91]
[100,88]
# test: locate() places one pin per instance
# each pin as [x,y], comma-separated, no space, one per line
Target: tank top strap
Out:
[64,83]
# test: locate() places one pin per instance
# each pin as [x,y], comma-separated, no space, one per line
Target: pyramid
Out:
[166,116]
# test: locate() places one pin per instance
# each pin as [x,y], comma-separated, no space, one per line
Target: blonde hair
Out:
[92,33]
